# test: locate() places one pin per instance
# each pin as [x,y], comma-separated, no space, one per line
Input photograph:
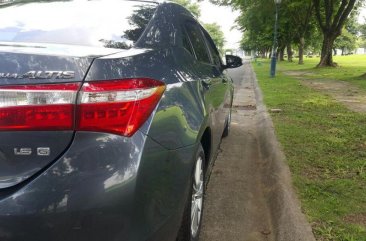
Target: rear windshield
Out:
[112,24]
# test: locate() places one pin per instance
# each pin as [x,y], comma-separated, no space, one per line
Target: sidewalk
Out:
[249,195]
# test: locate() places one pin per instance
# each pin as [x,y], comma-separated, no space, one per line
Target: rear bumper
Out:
[105,187]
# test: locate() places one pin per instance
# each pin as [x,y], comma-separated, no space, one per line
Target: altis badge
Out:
[39,75]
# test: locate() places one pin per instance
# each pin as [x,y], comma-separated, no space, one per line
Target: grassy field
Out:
[325,145]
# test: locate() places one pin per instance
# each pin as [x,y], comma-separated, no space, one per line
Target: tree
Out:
[348,39]
[296,24]
[256,21]
[139,19]
[313,44]
[361,43]
[191,6]
[216,34]
[300,23]
[260,43]
[286,36]
[345,42]
[362,30]
[331,16]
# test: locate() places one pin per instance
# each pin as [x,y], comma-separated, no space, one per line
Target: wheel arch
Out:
[206,142]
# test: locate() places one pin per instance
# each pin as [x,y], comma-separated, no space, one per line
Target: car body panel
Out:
[16,60]
[130,194]
[15,66]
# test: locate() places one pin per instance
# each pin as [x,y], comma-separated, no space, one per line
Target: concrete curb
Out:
[289,223]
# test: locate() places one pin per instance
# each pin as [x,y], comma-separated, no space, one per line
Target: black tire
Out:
[185,232]
[227,126]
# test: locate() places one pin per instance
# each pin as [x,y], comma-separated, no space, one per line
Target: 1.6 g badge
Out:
[25,151]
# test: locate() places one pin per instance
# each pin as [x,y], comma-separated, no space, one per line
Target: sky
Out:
[362,16]
[225,17]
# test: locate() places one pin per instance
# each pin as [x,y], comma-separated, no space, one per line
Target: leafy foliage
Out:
[347,41]
[332,16]
[139,19]
[310,25]
[362,40]
[216,34]
[191,6]
[256,21]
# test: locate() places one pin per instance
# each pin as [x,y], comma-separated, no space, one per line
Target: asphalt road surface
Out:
[235,206]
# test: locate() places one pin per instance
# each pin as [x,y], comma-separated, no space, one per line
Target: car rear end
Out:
[75,160]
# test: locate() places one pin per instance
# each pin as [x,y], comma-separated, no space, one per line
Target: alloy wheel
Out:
[197,197]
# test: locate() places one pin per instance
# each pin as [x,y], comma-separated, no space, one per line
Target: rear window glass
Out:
[113,24]
[187,44]
[214,52]
[198,43]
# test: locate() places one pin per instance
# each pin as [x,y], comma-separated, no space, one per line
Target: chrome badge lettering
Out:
[25,151]
[40,75]
[22,151]
[43,151]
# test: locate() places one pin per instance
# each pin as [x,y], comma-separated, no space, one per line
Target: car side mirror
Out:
[233,61]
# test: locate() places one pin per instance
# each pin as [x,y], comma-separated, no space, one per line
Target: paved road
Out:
[235,207]
[238,74]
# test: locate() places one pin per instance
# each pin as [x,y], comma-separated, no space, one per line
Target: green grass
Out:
[324,143]
[349,69]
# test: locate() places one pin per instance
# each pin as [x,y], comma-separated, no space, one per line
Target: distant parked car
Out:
[111,113]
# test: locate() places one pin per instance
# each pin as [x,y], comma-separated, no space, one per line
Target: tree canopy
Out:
[308,25]
[332,16]
[193,7]
[216,34]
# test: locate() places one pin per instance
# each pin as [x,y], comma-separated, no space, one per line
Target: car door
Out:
[224,89]
[211,78]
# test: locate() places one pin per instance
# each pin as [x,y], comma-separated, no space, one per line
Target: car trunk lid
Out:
[38,89]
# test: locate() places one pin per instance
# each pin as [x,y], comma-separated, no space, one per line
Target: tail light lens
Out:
[117,106]
[37,107]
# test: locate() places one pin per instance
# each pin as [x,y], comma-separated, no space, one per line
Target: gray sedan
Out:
[111,114]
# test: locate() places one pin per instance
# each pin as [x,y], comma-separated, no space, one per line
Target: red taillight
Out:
[37,107]
[117,106]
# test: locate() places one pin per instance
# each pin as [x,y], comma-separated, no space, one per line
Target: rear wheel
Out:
[192,218]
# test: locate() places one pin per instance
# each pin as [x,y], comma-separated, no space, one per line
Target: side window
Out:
[187,43]
[199,46]
[213,49]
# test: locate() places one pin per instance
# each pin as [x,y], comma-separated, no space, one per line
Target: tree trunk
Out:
[301,50]
[334,51]
[282,54]
[331,18]
[263,53]
[289,52]
[326,58]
